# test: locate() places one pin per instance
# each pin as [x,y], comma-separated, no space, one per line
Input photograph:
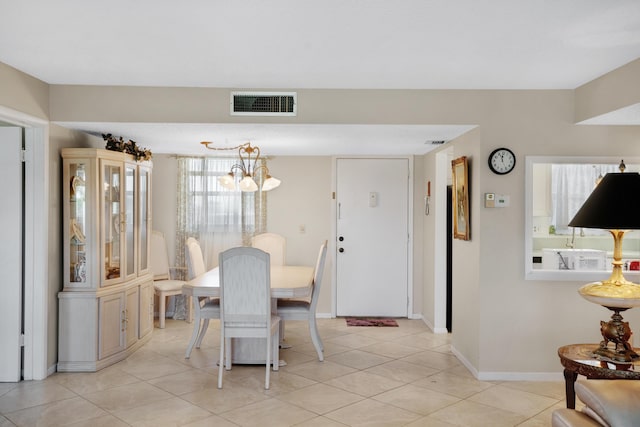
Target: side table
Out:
[577,359]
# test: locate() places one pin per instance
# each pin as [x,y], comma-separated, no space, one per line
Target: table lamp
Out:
[613,205]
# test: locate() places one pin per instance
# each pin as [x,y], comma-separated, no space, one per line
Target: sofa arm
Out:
[615,402]
[572,418]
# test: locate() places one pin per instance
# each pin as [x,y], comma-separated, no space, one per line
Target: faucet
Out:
[572,244]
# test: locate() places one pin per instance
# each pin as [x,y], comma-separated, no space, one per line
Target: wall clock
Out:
[502,161]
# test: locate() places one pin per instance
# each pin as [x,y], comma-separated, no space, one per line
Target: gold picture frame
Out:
[461,225]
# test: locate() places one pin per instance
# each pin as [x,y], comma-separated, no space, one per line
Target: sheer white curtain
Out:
[217,217]
[571,184]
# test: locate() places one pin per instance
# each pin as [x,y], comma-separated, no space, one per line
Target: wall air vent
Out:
[263,103]
[439,142]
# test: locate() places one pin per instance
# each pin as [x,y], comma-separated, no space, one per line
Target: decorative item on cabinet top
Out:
[129,147]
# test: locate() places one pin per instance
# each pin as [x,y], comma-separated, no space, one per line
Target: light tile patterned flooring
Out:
[371,376]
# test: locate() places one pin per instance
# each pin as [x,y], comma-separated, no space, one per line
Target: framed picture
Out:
[461,226]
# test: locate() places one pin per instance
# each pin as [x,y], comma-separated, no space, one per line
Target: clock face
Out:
[502,161]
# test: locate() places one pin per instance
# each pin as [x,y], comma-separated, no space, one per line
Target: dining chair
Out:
[164,283]
[204,309]
[301,309]
[274,244]
[245,305]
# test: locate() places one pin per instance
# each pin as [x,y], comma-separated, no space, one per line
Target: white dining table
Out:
[287,281]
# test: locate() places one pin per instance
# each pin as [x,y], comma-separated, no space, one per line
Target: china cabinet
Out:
[106,305]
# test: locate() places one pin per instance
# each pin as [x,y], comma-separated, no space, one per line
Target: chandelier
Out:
[247,168]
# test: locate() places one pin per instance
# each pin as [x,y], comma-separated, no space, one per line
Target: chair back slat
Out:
[159,257]
[245,285]
[274,244]
[195,258]
[317,275]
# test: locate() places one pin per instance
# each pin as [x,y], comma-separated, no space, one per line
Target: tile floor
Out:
[373,376]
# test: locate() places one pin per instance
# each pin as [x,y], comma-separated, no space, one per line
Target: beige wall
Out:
[164,201]
[419,192]
[23,93]
[467,286]
[429,247]
[303,199]
[617,89]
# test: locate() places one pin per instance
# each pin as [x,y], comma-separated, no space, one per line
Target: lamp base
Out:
[615,332]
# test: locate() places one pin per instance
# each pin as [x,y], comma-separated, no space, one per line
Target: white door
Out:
[11,253]
[372,237]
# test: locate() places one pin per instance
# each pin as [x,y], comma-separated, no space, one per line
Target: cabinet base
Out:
[93,366]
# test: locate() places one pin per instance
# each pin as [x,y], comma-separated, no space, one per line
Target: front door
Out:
[11,254]
[372,237]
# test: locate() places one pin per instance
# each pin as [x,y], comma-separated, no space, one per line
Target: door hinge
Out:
[21,340]
[23,156]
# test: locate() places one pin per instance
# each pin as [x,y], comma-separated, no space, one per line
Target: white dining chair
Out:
[302,309]
[164,283]
[245,302]
[204,309]
[273,244]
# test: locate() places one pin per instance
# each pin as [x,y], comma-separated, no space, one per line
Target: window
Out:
[209,206]
[555,189]
[219,218]
[571,185]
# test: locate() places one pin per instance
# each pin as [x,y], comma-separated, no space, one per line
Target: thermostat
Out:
[492,200]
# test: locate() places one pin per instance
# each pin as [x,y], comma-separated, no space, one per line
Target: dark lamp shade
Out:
[613,205]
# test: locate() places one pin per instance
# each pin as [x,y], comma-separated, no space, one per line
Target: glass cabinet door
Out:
[113,219]
[130,218]
[77,223]
[144,217]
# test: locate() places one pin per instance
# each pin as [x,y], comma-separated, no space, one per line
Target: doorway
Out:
[35,243]
[11,254]
[449,240]
[372,236]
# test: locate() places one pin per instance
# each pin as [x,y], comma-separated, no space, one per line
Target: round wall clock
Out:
[502,161]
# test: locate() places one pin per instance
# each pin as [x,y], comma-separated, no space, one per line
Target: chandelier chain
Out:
[206,144]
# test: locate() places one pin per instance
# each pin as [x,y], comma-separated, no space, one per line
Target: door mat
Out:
[371,321]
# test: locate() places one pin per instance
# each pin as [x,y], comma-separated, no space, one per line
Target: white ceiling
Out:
[368,44]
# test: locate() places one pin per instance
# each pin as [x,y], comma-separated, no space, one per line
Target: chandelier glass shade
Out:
[247,170]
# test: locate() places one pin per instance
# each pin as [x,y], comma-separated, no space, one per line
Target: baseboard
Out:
[520,376]
[430,326]
[464,361]
[507,376]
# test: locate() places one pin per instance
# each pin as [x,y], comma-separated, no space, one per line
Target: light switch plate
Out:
[373,199]
[489,200]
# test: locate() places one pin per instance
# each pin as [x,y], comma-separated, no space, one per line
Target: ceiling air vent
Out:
[263,104]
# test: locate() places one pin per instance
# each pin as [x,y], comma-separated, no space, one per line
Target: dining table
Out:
[287,281]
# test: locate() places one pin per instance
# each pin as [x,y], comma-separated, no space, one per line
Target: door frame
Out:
[334,230]
[36,241]
[443,178]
